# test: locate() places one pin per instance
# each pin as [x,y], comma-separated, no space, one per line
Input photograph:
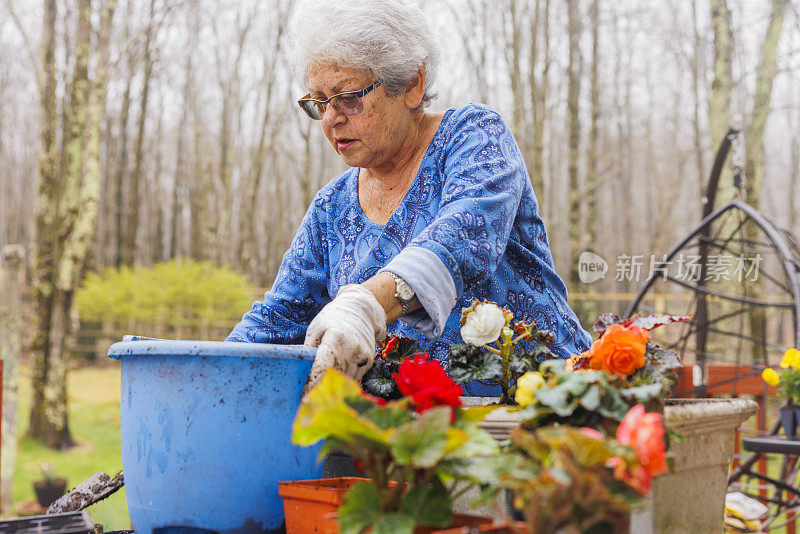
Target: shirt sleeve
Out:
[299,292]
[484,177]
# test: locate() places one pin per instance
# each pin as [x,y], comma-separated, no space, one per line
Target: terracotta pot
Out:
[310,507]
[48,491]
[496,528]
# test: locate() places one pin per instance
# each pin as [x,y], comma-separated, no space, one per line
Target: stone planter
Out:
[691,498]
[498,423]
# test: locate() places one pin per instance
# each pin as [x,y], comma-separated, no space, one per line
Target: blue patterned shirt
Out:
[468,228]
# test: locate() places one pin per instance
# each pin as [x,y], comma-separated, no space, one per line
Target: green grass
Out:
[94,423]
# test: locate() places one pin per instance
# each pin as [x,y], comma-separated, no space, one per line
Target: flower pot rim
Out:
[56,482]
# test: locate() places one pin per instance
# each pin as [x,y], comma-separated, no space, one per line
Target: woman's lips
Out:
[344,144]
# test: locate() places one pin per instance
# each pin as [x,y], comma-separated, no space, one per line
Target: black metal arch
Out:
[780,241]
[776,236]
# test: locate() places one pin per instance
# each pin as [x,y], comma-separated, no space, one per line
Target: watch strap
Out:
[400,287]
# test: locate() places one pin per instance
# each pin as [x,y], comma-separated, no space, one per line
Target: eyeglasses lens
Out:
[348,105]
[313,109]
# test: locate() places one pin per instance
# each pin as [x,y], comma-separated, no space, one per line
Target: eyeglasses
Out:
[348,103]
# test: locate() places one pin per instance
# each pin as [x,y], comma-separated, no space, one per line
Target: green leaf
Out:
[468,363]
[423,442]
[406,348]
[557,398]
[378,379]
[325,413]
[429,504]
[612,405]
[394,524]
[390,416]
[643,393]
[476,414]
[591,399]
[361,508]
[478,443]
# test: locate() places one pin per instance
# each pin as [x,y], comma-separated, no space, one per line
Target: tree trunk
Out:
[574,137]
[538,88]
[122,185]
[754,159]
[130,250]
[719,104]
[589,233]
[47,243]
[74,198]
[754,134]
[513,50]
[699,146]
[11,278]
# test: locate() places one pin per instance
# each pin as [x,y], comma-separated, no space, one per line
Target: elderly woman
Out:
[435,210]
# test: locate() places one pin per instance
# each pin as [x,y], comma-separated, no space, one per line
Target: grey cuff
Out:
[432,283]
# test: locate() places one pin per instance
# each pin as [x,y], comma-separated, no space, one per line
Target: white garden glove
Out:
[345,331]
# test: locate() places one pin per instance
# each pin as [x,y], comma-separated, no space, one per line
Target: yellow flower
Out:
[770,376]
[791,358]
[527,386]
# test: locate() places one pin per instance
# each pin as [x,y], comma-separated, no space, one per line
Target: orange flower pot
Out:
[310,506]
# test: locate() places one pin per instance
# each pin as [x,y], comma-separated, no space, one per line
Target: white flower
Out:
[483,324]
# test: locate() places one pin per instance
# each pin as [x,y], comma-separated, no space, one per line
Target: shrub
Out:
[177,291]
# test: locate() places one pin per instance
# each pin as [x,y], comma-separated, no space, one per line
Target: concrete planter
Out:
[498,423]
[691,498]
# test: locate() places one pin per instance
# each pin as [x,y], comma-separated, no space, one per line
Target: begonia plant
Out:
[623,367]
[492,349]
[575,480]
[411,448]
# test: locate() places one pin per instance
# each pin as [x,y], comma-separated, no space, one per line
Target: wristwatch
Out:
[403,293]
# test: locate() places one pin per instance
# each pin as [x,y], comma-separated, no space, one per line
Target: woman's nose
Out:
[331,117]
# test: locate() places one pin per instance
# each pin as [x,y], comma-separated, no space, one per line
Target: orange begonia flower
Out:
[620,350]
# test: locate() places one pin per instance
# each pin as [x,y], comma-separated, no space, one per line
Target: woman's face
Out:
[375,136]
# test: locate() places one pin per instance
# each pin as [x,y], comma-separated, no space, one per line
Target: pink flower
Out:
[644,433]
[592,433]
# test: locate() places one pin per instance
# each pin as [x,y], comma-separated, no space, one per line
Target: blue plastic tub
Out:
[206,433]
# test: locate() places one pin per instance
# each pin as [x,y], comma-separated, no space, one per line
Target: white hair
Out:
[389,38]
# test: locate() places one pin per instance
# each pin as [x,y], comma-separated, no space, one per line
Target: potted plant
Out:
[410,448]
[490,349]
[597,388]
[787,380]
[572,480]
[622,368]
[50,487]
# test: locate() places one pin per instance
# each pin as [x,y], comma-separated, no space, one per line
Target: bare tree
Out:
[573,128]
[67,212]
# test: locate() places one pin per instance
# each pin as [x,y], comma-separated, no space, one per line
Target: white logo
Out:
[591,267]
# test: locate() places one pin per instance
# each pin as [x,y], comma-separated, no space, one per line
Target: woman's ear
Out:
[415,90]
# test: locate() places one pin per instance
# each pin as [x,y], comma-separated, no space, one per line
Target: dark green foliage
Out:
[789,385]
[588,398]
[378,380]
[468,362]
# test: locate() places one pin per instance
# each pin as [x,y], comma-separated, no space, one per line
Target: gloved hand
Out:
[345,331]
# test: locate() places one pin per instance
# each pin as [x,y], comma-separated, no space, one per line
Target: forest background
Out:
[133,132]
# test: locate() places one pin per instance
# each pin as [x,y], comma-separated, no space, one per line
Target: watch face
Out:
[405,291]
